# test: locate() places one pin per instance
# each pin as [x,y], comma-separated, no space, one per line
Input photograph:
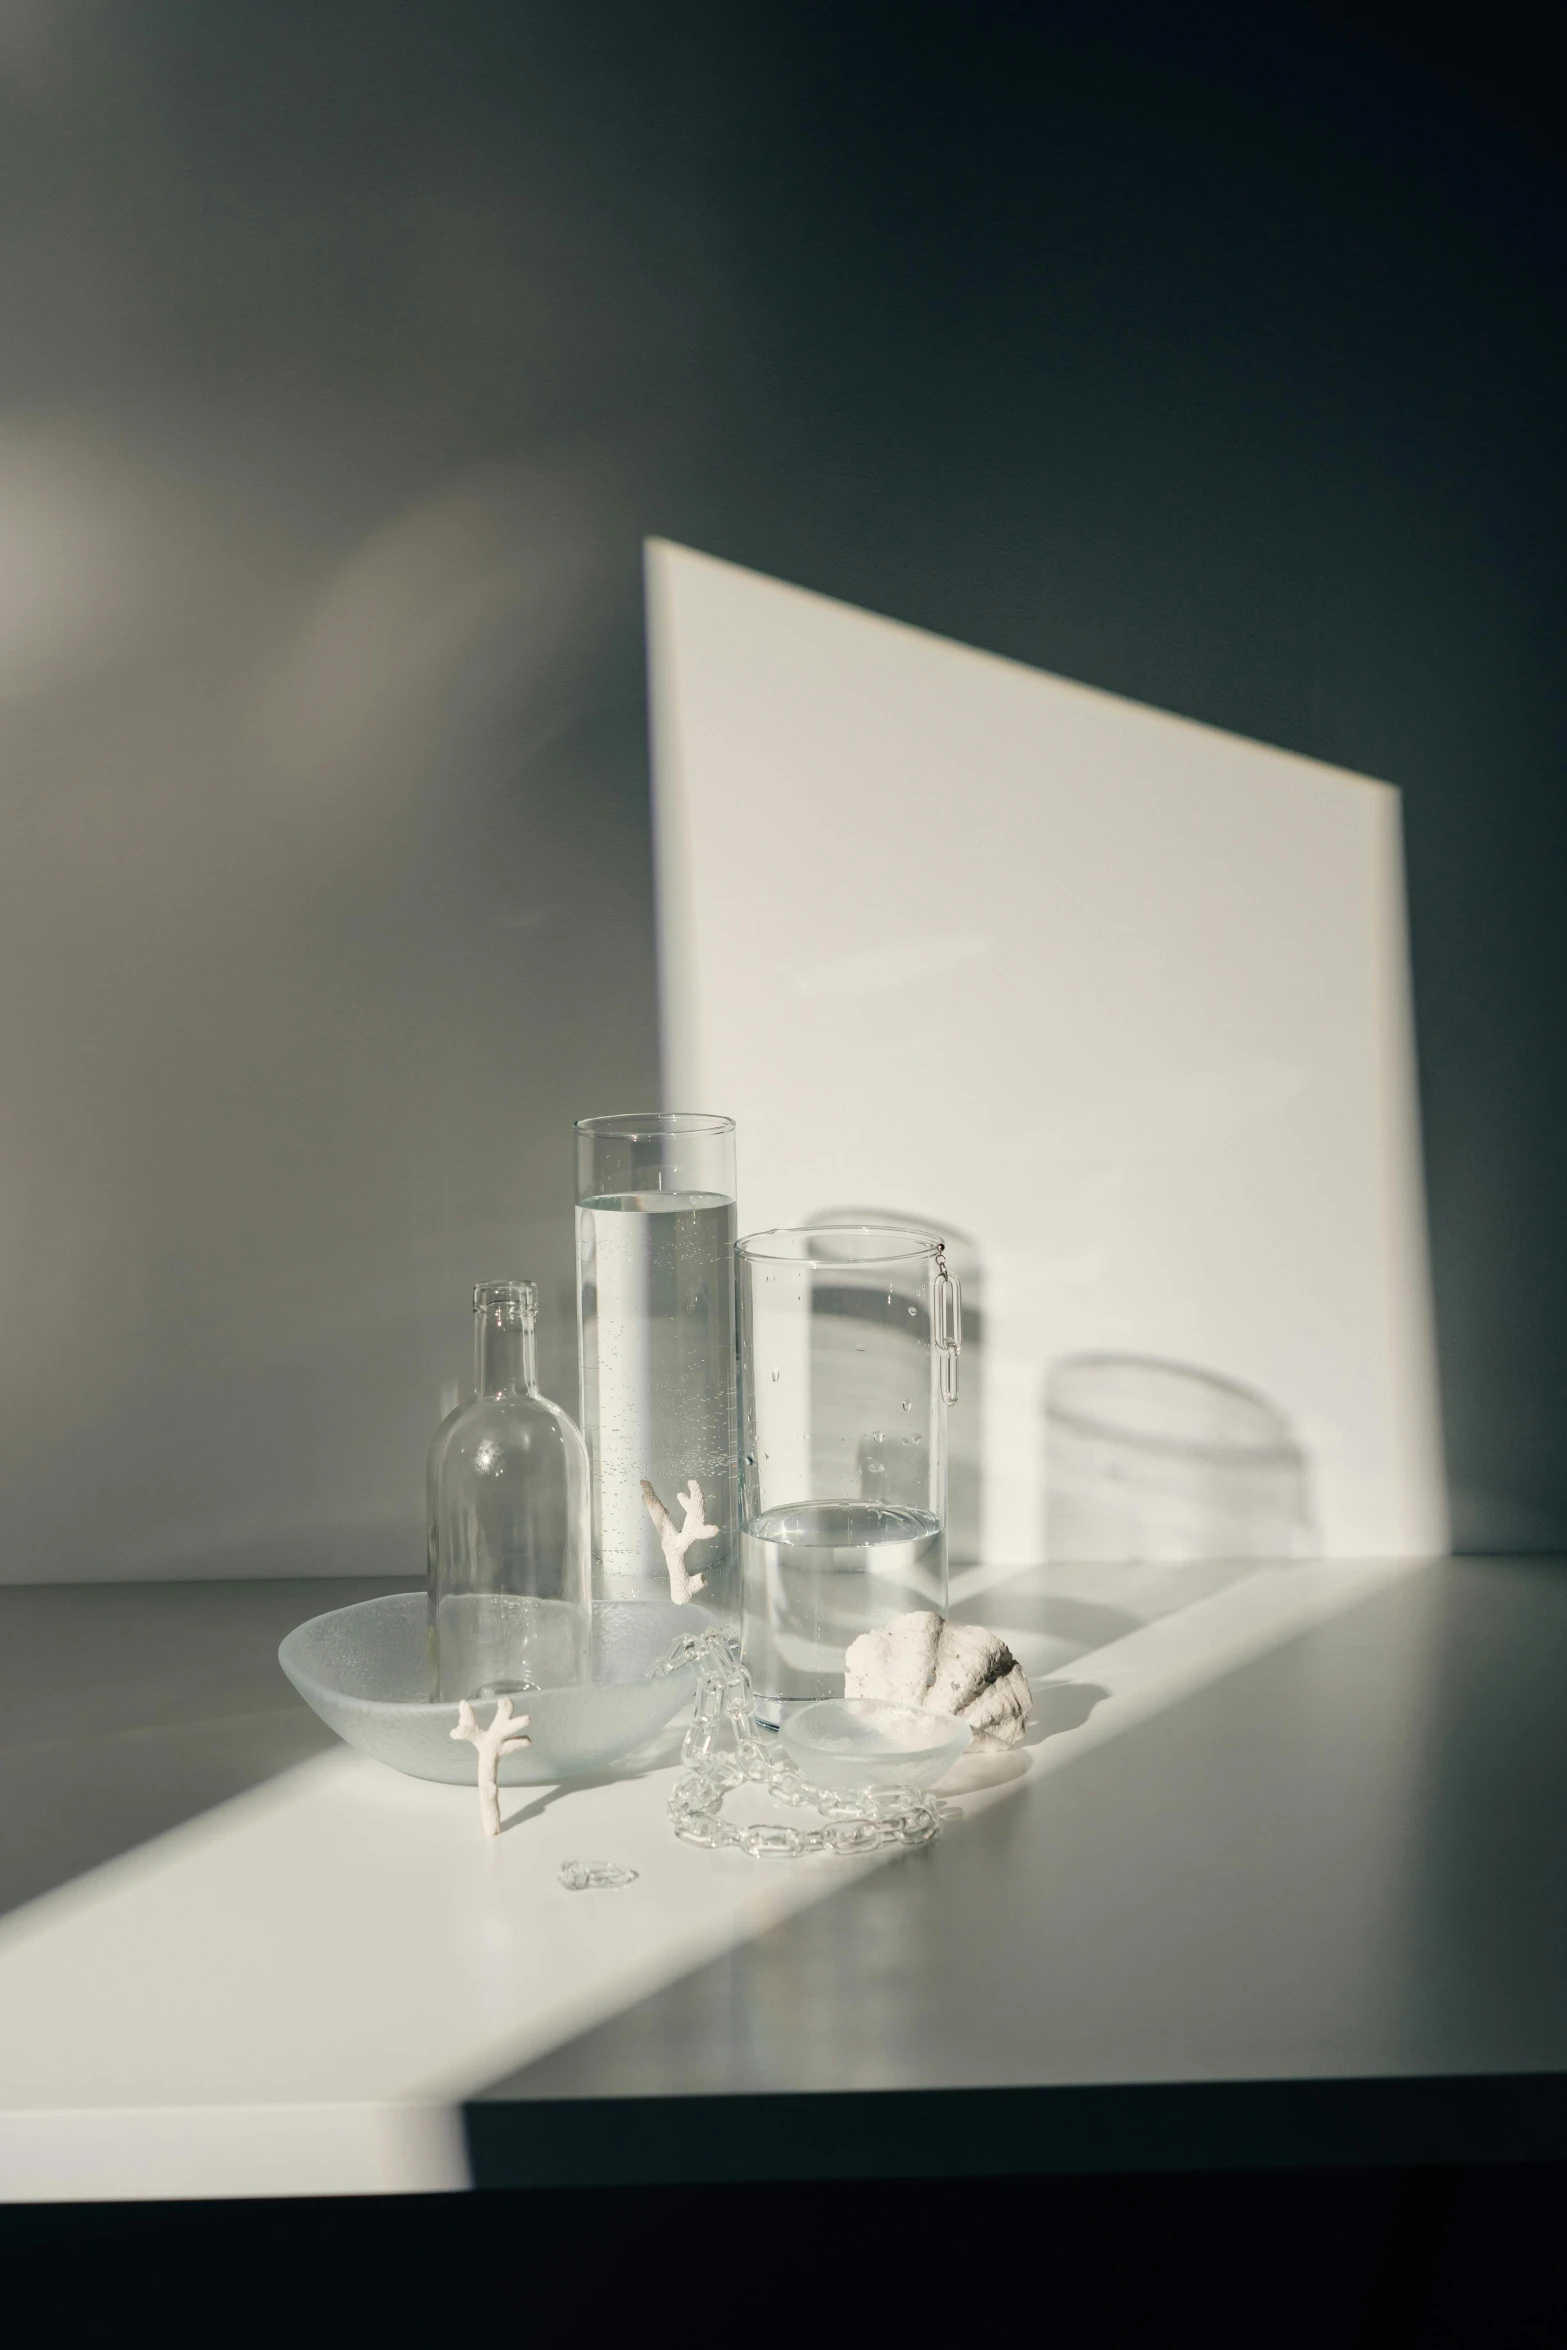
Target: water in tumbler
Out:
[658,1381]
[819,1573]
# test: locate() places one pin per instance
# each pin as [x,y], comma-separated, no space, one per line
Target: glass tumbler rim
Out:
[916,1244]
[648,1125]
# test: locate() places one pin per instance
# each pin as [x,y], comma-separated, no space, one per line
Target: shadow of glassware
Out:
[1156,1461]
[1058,1706]
[1062,1705]
[1035,1612]
[973,1771]
[966,1420]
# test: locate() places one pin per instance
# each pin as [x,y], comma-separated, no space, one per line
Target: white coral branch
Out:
[501,1735]
[674,1541]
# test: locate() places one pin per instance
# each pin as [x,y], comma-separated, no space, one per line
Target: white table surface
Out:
[296,1991]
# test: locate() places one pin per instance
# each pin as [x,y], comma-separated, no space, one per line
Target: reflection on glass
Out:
[966,1420]
[1150,1460]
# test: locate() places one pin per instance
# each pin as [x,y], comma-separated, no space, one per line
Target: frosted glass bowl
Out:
[364,1670]
[864,1742]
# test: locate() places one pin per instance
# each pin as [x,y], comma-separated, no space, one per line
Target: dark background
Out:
[347,353]
[1295,2260]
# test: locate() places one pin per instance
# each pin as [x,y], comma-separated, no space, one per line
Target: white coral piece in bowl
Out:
[956,1669]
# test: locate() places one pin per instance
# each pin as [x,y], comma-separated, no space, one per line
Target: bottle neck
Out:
[505,1356]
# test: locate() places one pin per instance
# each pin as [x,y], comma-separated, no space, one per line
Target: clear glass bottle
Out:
[656,1323]
[508,1520]
[849,1339]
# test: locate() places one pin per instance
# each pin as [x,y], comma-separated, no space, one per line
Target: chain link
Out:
[590,1876]
[722,1751]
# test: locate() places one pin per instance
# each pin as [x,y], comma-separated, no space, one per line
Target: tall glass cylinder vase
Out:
[849,1342]
[656,1326]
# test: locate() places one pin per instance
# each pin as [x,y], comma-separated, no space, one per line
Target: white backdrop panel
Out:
[1123,998]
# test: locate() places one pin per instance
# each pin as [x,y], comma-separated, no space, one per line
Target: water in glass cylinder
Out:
[819,1573]
[656,1284]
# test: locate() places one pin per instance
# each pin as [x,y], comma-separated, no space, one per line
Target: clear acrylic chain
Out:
[722,1751]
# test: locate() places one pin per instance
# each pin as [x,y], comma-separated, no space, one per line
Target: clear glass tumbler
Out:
[656,1327]
[849,1341]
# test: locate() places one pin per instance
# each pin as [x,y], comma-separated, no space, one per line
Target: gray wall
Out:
[346,354]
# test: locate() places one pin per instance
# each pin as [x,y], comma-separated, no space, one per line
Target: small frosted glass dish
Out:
[864,1742]
[365,1671]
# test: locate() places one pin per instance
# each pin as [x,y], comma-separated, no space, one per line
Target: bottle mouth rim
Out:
[829,1248]
[524,1295]
[652,1125]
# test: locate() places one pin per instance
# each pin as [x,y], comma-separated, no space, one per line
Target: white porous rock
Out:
[967,1658]
[998,1713]
[895,1662]
[948,1669]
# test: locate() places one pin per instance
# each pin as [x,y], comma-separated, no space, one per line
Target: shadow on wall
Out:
[1165,1484]
[966,1420]
[270,1110]
[1154,1461]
